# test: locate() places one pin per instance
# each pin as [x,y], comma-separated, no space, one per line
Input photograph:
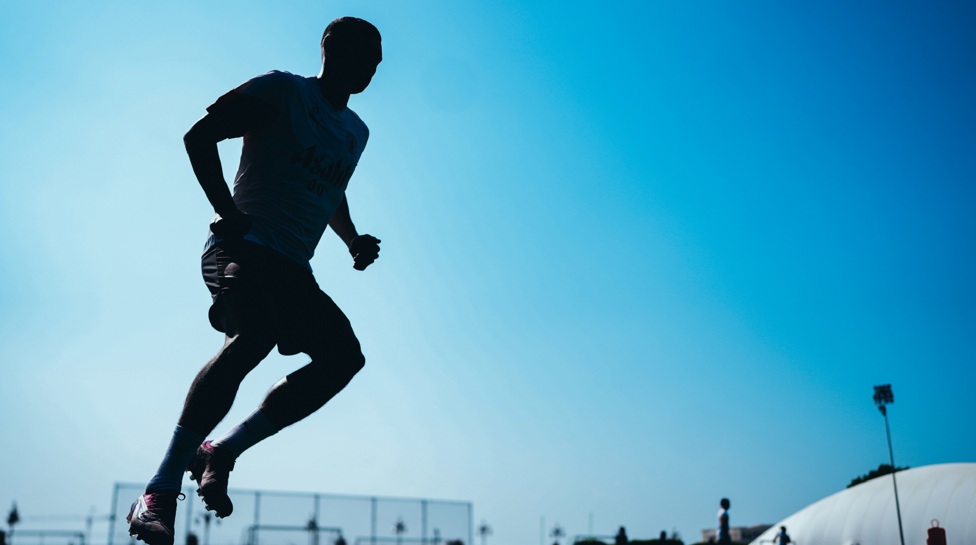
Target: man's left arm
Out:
[365,249]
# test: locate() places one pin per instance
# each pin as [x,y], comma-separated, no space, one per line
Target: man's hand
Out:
[364,250]
[232,227]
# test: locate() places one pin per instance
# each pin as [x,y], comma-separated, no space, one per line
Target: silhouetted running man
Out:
[301,145]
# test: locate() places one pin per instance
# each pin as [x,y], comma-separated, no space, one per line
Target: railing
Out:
[357,518]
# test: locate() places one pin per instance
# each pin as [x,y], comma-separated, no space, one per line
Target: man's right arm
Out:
[233,115]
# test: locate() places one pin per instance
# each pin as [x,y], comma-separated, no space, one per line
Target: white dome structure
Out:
[865,514]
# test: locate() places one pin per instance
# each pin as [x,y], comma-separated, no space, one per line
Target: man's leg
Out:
[336,358]
[152,516]
[293,398]
[324,333]
[211,395]
[306,390]
[215,386]
[208,401]
[249,340]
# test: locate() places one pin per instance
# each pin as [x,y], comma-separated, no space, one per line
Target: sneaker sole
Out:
[145,535]
[221,506]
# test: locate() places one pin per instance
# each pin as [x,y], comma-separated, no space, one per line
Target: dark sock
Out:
[181,449]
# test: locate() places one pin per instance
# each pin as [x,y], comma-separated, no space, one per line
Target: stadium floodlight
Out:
[882,397]
[557,533]
[484,531]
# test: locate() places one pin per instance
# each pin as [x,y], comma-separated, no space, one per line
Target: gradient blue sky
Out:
[637,256]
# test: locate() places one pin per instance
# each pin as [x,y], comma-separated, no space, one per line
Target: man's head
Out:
[725,503]
[351,50]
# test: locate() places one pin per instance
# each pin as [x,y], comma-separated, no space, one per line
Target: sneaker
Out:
[210,468]
[152,516]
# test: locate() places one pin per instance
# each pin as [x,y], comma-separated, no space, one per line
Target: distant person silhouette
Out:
[782,537]
[621,537]
[723,521]
[301,145]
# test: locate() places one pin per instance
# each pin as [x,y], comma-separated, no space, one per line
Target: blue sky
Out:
[637,256]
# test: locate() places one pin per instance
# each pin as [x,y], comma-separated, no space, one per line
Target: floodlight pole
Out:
[883,396]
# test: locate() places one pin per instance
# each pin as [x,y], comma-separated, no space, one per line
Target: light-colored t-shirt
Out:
[723,525]
[294,172]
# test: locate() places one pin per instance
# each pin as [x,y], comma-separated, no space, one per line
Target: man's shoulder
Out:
[282,75]
[269,82]
[358,131]
[353,120]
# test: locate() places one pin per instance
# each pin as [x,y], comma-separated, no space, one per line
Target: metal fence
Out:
[45,537]
[294,518]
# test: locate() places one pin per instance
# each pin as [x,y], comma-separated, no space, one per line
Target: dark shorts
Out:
[256,288]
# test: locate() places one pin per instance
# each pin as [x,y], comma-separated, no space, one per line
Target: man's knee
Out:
[356,363]
[338,365]
[346,364]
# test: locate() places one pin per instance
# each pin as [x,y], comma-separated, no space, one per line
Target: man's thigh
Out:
[254,291]
[241,301]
